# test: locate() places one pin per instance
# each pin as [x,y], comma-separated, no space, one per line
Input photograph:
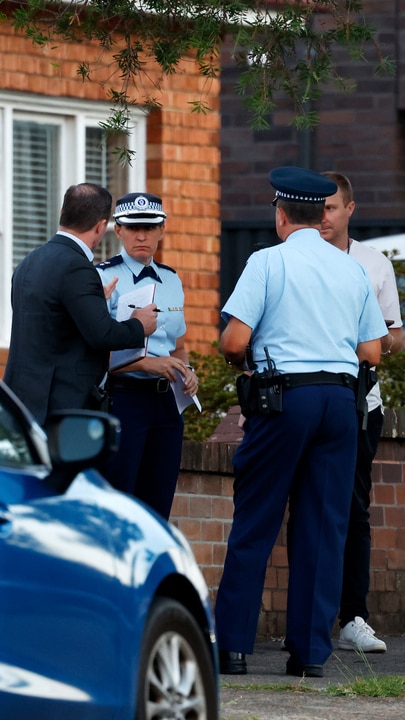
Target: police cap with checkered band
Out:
[300,185]
[139,209]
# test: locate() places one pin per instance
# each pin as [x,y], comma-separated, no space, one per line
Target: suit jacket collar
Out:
[69,242]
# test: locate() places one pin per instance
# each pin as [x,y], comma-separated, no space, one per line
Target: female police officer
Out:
[148,461]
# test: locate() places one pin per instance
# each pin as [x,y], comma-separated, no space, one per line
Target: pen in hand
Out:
[137,307]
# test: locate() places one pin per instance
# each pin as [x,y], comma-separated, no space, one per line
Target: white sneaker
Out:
[357,635]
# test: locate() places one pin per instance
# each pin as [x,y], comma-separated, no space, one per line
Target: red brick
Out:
[267,600]
[200,507]
[395,559]
[202,553]
[383,495]
[212,531]
[394,517]
[191,529]
[219,553]
[391,473]
[279,556]
[280,601]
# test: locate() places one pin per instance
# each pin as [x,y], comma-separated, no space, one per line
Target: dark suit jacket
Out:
[62,332]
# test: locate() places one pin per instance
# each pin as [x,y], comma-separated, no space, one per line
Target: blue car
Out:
[104,613]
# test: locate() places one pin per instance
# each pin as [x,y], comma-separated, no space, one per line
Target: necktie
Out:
[147,271]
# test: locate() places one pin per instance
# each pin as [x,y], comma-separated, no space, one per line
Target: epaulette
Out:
[166,267]
[116,260]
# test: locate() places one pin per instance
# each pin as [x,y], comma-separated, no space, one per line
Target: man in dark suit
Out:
[62,332]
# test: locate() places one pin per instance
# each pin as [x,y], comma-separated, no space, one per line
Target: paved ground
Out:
[248,697]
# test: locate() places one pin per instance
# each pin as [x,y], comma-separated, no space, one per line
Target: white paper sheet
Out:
[126,305]
[183,400]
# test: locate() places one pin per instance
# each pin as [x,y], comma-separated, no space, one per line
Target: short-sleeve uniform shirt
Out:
[308,303]
[169,297]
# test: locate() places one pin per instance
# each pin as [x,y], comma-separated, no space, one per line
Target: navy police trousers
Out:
[148,461]
[305,458]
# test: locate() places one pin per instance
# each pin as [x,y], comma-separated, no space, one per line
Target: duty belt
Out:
[292,380]
[131,384]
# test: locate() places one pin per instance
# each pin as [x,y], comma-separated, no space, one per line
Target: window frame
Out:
[73,116]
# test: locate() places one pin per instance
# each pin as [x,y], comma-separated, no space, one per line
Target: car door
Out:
[59,626]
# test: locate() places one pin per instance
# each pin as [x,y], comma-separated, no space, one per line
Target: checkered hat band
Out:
[130,207]
[299,198]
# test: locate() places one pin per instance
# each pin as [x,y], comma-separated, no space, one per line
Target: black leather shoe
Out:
[297,669]
[232,663]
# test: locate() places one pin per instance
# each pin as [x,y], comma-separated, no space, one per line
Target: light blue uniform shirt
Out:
[169,296]
[309,303]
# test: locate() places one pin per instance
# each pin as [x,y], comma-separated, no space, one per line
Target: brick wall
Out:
[183,167]
[360,134]
[203,510]
[182,158]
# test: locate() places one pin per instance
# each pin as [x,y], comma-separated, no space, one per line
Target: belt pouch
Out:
[246,395]
[270,393]
[260,393]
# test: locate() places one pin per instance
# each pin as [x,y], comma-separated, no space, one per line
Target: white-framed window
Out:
[46,145]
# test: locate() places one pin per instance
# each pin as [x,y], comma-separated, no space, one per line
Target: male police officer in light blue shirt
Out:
[314,310]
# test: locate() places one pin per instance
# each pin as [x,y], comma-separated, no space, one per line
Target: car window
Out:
[14,447]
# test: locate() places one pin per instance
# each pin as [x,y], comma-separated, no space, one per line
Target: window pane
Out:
[96,157]
[35,185]
[102,168]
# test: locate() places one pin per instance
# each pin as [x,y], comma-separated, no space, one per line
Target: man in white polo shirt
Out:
[355,633]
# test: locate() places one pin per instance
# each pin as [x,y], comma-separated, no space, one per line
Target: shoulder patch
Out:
[166,267]
[116,260]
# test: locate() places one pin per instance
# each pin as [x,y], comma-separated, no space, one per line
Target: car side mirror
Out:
[78,439]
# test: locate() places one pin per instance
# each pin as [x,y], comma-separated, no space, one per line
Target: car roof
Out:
[389,243]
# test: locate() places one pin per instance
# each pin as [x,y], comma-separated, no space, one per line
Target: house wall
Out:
[360,134]
[182,158]
[203,511]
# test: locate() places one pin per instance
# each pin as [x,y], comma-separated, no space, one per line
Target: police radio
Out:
[261,392]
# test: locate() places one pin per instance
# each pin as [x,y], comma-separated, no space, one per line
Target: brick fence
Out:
[203,511]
